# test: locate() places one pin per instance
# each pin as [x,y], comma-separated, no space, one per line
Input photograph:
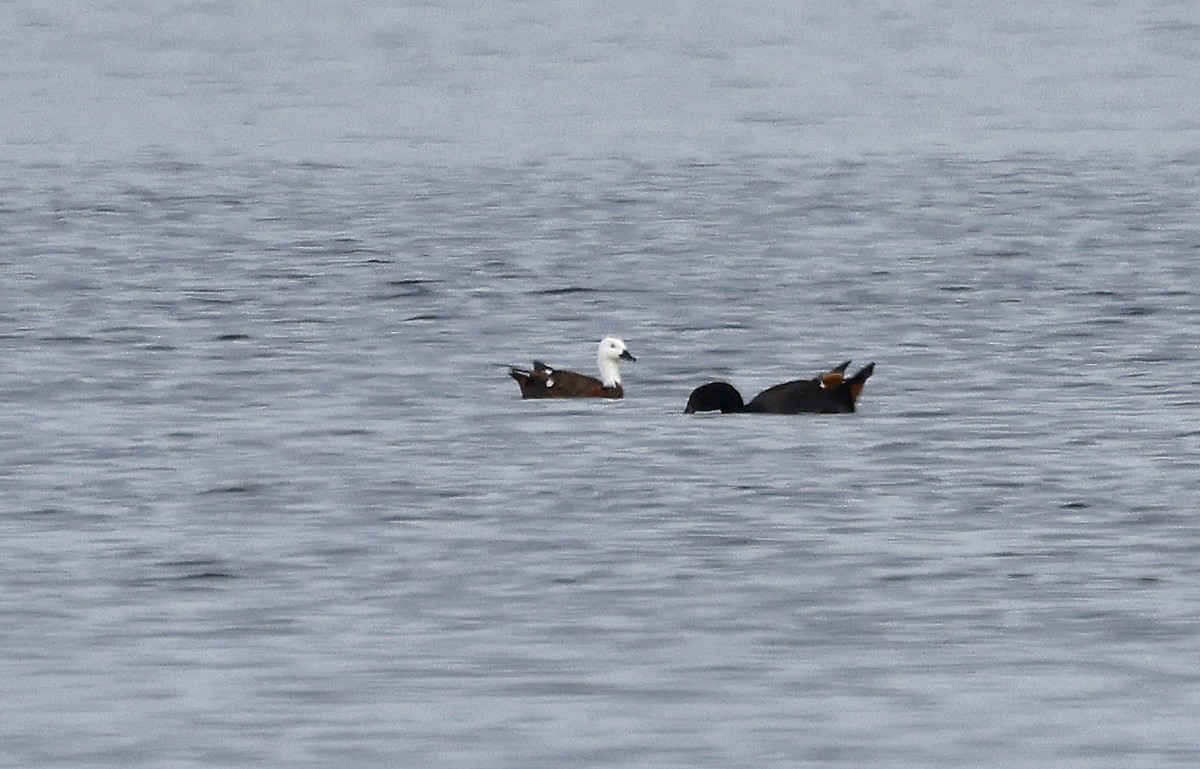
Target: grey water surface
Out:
[269,498]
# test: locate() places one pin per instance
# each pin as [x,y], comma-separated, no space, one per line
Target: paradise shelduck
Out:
[829,393]
[546,382]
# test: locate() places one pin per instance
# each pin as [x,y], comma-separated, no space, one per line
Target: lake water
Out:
[269,498]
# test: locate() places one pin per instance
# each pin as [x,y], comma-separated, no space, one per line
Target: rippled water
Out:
[269,497]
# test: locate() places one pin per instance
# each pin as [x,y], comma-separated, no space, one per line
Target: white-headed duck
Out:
[545,382]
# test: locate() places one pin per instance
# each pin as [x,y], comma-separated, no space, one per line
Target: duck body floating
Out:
[542,381]
[829,393]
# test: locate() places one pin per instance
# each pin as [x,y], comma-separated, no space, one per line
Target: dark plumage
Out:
[829,393]
[544,382]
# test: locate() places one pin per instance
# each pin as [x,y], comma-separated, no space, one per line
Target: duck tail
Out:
[859,380]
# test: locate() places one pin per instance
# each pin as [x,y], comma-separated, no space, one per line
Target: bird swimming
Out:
[542,381]
[828,393]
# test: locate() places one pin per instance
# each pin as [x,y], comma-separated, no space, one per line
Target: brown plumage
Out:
[828,393]
[543,381]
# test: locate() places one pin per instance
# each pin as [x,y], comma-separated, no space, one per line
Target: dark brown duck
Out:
[829,393]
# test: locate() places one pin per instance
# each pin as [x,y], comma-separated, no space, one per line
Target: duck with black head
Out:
[542,381]
[828,393]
